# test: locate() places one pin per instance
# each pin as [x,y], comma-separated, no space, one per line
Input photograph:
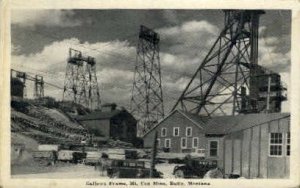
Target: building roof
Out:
[99,115]
[227,124]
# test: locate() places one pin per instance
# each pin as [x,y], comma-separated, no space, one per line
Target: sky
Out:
[41,39]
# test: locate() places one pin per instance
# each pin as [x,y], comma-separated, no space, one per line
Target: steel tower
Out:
[81,84]
[147,97]
[228,81]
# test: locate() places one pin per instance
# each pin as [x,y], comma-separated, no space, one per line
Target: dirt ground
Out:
[68,170]
[60,171]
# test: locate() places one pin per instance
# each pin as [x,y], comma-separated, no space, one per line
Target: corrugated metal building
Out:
[251,145]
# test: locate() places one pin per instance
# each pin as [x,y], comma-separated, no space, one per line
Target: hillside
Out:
[46,125]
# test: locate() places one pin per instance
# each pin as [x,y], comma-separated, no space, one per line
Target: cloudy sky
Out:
[41,39]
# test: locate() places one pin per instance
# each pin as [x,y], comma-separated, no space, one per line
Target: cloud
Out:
[271,58]
[188,39]
[114,71]
[48,18]
[183,48]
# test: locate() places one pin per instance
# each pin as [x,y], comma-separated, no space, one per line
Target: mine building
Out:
[17,87]
[110,123]
[250,145]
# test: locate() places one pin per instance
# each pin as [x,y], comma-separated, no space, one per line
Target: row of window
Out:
[188,131]
[277,143]
[183,143]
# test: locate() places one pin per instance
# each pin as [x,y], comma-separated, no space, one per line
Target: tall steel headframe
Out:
[229,79]
[147,96]
[81,84]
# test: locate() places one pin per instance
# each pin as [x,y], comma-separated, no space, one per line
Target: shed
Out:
[250,145]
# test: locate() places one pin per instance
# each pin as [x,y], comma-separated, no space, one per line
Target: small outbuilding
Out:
[250,145]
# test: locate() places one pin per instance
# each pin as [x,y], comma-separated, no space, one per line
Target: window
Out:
[176,131]
[163,132]
[183,143]
[288,143]
[213,148]
[195,142]
[188,131]
[158,142]
[276,142]
[201,151]
[168,143]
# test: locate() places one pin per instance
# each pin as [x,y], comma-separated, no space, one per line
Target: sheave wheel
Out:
[179,174]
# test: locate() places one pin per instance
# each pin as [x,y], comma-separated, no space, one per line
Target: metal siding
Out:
[237,156]
[282,125]
[287,169]
[245,152]
[254,153]
[276,167]
[228,156]
[232,154]
[273,126]
[264,144]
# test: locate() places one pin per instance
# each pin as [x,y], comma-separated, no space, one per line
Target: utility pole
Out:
[153,155]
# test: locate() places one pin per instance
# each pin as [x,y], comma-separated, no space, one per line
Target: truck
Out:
[45,157]
[194,168]
[130,169]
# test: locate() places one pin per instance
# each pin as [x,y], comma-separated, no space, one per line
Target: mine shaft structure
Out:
[81,86]
[23,77]
[147,96]
[229,80]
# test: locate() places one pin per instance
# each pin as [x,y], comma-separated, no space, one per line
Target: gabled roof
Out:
[99,115]
[198,124]
[226,124]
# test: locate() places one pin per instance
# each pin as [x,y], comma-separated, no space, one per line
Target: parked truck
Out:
[45,157]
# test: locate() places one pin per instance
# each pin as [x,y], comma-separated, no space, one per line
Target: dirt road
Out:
[83,171]
[73,171]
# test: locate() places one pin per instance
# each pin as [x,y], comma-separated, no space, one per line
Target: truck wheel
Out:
[179,173]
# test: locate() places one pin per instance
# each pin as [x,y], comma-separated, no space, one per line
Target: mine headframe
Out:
[228,79]
[147,97]
[81,85]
